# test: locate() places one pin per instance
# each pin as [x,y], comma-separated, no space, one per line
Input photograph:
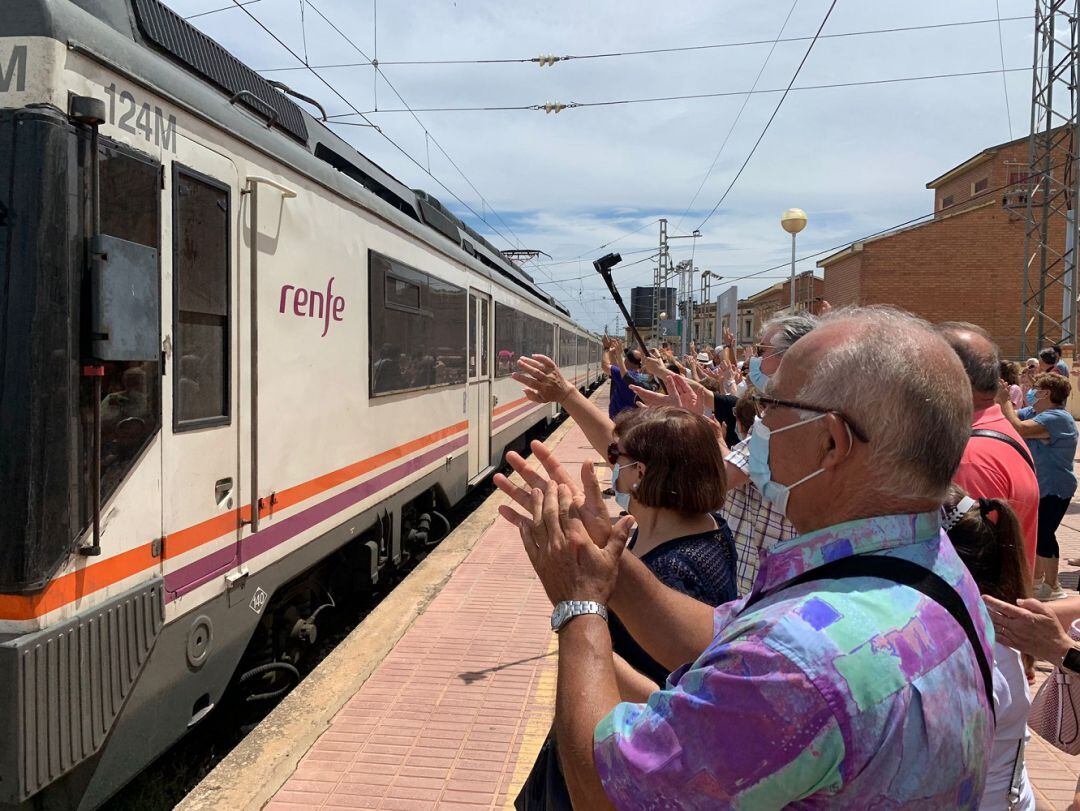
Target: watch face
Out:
[558,616]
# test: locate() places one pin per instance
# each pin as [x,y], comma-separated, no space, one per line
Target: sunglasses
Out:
[764,402]
[613,453]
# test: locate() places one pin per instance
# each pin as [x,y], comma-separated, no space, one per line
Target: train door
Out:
[200,495]
[479,385]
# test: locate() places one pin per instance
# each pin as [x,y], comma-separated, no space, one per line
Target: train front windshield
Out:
[45,401]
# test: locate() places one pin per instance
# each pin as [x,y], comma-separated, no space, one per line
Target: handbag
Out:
[1054,716]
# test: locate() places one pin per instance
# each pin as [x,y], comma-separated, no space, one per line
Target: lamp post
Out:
[793,221]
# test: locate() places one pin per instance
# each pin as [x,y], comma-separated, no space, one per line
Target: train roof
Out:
[154,42]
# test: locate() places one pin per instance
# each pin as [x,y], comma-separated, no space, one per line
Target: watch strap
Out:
[1071,662]
[568,609]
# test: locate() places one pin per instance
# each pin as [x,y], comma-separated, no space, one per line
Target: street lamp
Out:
[793,221]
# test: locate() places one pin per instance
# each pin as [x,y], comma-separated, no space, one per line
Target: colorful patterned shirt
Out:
[754,523]
[856,693]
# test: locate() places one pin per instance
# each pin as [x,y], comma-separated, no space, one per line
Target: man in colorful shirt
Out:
[854,693]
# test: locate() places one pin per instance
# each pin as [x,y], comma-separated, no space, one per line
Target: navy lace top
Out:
[701,566]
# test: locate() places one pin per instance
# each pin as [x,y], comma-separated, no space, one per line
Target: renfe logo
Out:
[314,303]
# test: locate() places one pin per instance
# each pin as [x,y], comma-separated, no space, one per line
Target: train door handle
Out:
[223,489]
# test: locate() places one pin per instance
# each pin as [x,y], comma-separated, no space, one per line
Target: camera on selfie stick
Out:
[603,266]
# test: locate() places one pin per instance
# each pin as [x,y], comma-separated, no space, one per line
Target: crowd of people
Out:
[815,544]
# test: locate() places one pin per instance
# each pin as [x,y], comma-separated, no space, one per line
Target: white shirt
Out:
[1012,701]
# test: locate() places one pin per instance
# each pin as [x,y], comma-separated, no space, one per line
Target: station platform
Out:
[442,697]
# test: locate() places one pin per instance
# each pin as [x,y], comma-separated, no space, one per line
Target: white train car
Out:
[242,368]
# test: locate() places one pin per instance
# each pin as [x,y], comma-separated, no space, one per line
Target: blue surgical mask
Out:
[761,475]
[757,377]
[621,498]
[1031,397]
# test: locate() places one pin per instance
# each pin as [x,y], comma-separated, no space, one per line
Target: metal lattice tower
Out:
[660,278]
[1052,179]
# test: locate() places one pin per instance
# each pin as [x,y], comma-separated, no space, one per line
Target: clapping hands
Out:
[565,529]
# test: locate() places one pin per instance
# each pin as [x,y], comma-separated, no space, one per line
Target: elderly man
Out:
[756,524]
[845,679]
[996,463]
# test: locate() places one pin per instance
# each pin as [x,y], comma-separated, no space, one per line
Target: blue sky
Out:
[855,158]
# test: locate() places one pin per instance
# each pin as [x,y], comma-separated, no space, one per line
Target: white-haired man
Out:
[856,674]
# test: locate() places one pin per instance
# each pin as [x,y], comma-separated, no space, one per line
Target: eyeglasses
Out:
[767,350]
[764,402]
[613,453]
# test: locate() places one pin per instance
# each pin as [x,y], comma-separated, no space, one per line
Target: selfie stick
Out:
[603,266]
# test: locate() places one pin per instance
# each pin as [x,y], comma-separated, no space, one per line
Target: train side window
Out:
[416,328]
[130,194]
[201,306]
[517,335]
[402,293]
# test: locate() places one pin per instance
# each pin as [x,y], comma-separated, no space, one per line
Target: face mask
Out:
[760,474]
[639,378]
[757,377]
[621,498]
[739,432]
[1031,397]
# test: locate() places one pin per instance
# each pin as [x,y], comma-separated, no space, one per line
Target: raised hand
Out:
[655,367]
[542,380]
[1030,627]
[572,562]
[589,499]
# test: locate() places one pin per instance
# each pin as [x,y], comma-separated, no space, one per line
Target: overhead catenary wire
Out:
[689,96]
[1004,82]
[985,193]
[772,117]
[378,129]
[220,9]
[738,115]
[427,132]
[601,247]
[652,51]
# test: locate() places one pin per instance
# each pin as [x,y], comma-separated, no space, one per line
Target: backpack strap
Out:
[904,573]
[1008,440]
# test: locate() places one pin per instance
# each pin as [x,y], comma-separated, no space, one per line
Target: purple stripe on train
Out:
[207,568]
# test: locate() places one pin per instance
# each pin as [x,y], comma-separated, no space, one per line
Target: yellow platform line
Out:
[537,724]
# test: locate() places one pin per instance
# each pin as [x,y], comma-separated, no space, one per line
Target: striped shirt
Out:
[754,523]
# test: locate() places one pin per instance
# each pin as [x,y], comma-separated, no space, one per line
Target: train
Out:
[242,368]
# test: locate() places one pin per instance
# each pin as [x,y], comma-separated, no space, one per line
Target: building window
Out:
[417,328]
[201,301]
[946,201]
[980,185]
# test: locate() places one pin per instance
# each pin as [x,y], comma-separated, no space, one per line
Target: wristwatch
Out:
[1071,662]
[568,609]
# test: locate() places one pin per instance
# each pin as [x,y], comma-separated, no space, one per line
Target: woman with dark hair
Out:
[987,537]
[668,473]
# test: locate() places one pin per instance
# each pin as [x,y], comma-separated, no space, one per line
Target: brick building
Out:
[760,307]
[966,264]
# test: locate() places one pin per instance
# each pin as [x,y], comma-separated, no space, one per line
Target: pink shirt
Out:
[992,469]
